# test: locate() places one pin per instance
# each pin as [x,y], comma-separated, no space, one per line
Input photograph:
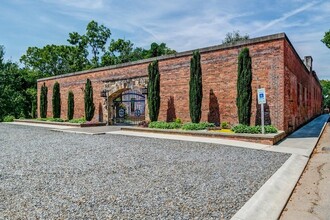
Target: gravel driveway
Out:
[51,175]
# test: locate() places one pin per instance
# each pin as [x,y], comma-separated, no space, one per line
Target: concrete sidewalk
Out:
[303,141]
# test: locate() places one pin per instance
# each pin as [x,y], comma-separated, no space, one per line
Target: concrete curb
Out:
[82,125]
[78,132]
[269,201]
[318,139]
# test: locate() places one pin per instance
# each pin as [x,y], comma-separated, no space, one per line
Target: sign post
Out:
[262,101]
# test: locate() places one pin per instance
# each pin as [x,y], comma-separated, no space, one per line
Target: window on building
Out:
[298,94]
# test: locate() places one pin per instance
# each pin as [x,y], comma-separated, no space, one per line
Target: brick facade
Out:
[293,91]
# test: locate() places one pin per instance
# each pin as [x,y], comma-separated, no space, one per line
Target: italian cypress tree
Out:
[244,90]
[195,88]
[70,105]
[153,91]
[89,104]
[56,100]
[43,101]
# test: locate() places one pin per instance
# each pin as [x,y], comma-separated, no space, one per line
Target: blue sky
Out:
[181,24]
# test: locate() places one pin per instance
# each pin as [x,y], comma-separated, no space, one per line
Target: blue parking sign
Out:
[261,96]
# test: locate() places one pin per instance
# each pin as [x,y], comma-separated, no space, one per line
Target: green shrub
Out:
[8,118]
[225,125]
[178,120]
[43,101]
[78,120]
[153,91]
[55,119]
[89,103]
[195,88]
[56,100]
[270,129]
[164,125]
[244,89]
[197,126]
[253,129]
[70,105]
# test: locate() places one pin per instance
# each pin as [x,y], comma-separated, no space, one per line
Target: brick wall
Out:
[303,95]
[219,70]
[275,67]
[76,83]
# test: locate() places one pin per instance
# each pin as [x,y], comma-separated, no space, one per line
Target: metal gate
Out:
[129,108]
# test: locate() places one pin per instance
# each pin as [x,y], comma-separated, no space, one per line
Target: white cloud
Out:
[181,24]
[286,16]
[80,4]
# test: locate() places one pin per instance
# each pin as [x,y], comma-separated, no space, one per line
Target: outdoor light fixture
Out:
[144,91]
[103,93]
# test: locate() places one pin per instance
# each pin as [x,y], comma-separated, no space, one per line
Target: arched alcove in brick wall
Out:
[116,88]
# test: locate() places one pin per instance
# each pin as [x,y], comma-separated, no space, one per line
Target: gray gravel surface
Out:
[52,175]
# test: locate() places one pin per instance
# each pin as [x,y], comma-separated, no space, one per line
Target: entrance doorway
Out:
[129,108]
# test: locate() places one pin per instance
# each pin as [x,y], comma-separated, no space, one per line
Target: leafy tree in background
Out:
[326,39]
[18,85]
[15,93]
[159,50]
[244,90]
[195,88]
[89,103]
[326,92]
[96,38]
[43,101]
[56,101]
[234,37]
[70,105]
[153,91]
[119,51]
[122,51]
[53,60]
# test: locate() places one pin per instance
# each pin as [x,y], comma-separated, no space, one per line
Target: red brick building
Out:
[293,90]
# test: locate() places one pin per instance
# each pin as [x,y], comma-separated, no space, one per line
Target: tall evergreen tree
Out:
[153,91]
[244,90]
[70,105]
[89,103]
[56,100]
[195,88]
[43,101]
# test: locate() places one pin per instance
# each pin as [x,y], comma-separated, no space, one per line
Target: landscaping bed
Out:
[84,124]
[269,139]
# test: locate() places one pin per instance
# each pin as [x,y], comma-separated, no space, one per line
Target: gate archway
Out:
[129,108]
[125,102]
